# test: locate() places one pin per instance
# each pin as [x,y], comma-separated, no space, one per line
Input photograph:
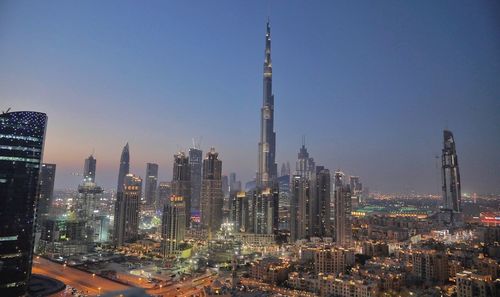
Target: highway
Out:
[94,285]
[80,280]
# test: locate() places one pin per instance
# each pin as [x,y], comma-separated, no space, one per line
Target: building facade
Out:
[173,225]
[322,221]
[151,184]
[124,168]
[212,198]
[22,136]
[164,191]
[46,191]
[127,207]
[452,195]
[264,210]
[239,211]
[430,266]
[195,163]
[89,168]
[342,205]
[181,182]
[356,191]
[470,284]
[332,260]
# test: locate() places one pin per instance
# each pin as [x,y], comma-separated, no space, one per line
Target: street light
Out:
[99,291]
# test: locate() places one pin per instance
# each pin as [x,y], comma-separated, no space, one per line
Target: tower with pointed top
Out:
[124,168]
[450,174]
[267,169]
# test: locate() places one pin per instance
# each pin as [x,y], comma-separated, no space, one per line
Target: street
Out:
[95,285]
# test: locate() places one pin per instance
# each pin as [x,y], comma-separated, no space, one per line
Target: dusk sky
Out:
[371,84]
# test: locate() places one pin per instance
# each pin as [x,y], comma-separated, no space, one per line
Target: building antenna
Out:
[303,140]
[268,10]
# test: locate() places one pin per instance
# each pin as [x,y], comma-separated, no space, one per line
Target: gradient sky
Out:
[371,84]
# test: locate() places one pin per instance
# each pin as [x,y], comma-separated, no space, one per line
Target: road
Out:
[95,285]
[182,289]
[80,280]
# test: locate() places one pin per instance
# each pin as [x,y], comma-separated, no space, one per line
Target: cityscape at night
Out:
[250,148]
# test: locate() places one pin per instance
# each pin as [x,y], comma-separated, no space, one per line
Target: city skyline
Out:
[384,109]
[333,225]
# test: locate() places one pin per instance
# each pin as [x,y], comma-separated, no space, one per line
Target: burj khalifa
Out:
[267,171]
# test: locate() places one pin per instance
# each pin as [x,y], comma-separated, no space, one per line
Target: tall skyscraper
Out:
[285,169]
[173,225]
[225,190]
[239,211]
[268,169]
[90,212]
[342,205]
[46,191]
[127,209]
[151,184]
[356,191]
[322,225]
[264,210]
[181,181]
[89,168]
[211,193]
[308,198]
[87,203]
[164,192]
[452,196]
[195,163]
[22,137]
[124,167]
[305,165]
[232,180]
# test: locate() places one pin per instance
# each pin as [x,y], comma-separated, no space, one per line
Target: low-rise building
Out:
[303,282]
[346,287]
[470,284]
[270,270]
[333,260]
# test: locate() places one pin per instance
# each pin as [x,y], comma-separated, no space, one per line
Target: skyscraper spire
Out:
[267,171]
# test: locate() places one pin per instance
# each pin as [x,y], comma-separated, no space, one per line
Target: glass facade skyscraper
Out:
[195,163]
[181,182]
[127,208]
[124,168]
[46,191]
[22,137]
[452,195]
[151,184]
